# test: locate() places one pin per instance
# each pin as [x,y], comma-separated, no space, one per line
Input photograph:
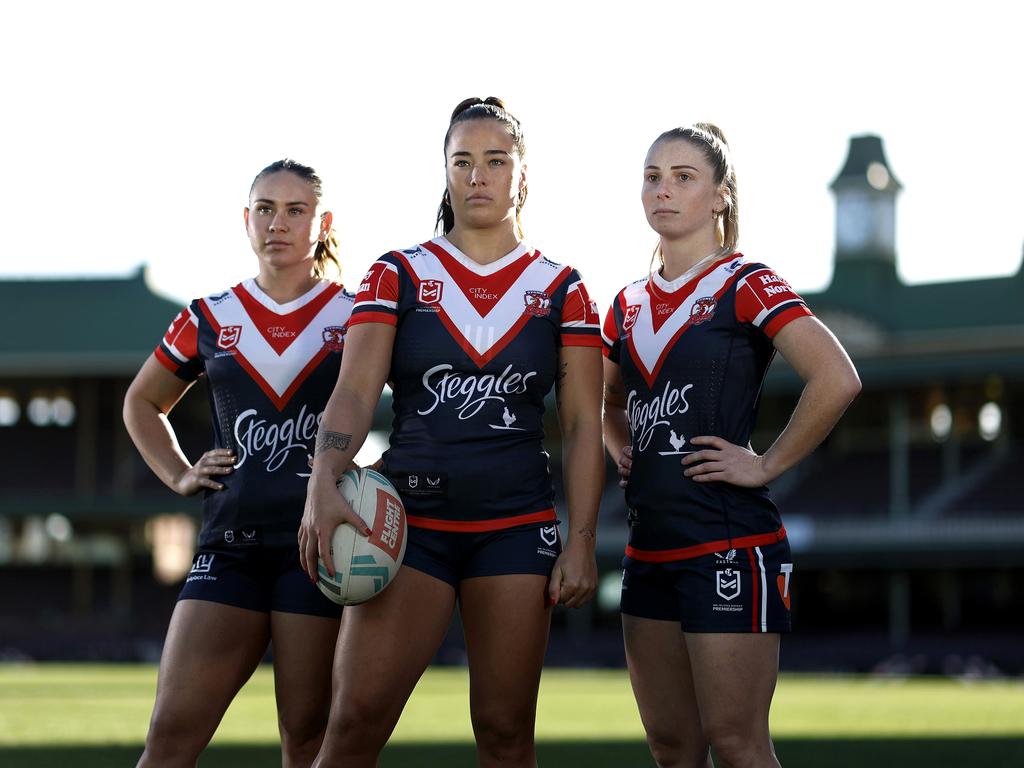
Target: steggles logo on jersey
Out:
[272,443]
[644,417]
[468,393]
[229,336]
[431,291]
[632,311]
[703,310]
[509,419]
[538,303]
[334,338]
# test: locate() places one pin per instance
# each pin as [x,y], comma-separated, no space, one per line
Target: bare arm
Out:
[150,397]
[364,369]
[616,427]
[830,384]
[578,392]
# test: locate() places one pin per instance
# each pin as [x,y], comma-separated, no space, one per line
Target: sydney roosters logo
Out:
[703,310]
[229,336]
[430,291]
[538,303]
[334,338]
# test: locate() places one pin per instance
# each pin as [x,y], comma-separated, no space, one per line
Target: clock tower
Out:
[865,191]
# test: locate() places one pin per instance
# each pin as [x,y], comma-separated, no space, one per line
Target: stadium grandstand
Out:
[905,525]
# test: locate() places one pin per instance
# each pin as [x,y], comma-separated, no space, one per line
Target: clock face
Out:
[854,221]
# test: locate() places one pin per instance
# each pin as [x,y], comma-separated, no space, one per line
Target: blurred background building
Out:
[906,524]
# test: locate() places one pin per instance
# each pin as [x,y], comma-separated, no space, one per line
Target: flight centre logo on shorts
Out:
[727,585]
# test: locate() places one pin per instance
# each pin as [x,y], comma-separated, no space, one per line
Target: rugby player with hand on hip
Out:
[270,348]
[707,580]
[473,329]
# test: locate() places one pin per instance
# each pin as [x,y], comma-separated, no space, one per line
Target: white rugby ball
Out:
[365,565]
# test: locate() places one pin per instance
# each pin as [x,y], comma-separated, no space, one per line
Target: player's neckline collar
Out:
[671,286]
[481,269]
[261,296]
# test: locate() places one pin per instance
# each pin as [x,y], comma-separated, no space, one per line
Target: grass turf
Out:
[97,715]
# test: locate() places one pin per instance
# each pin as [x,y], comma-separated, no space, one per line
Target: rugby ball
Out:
[365,565]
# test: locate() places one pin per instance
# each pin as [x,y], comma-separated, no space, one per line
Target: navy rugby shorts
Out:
[453,556]
[259,579]
[737,590]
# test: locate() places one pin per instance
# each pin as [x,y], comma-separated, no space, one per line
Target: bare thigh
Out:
[383,648]
[506,621]
[210,651]
[662,680]
[303,660]
[734,680]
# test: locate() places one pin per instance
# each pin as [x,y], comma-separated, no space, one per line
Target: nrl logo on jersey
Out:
[431,291]
[538,303]
[334,338]
[703,310]
[629,319]
[229,336]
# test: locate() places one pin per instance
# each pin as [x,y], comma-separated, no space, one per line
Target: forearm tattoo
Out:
[325,440]
[586,532]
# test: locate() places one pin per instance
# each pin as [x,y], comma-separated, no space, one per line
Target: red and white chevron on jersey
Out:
[483,307]
[651,337]
[278,345]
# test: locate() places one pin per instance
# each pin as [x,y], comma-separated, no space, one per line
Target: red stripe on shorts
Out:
[755,573]
[478,526]
[685,553]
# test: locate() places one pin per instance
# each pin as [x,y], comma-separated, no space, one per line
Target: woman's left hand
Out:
[725,462]
[574,577]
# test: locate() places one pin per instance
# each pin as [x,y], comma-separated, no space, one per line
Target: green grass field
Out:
[96,715]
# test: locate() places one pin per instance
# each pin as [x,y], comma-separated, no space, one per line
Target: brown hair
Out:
[491,108]
[327,250]
[709,138]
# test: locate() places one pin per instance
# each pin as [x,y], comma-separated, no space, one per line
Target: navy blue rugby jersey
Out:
[693,355]
[476,350]
[271,368]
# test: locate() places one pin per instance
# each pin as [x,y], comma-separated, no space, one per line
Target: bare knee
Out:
[504,738]
[739,745]
[301,738]
[170,742]
[673,750]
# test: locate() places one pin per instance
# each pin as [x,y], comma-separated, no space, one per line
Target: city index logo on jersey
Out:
[431,291]
[229,336]
[632,311]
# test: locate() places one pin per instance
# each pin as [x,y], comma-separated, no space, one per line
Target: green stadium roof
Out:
[80,326]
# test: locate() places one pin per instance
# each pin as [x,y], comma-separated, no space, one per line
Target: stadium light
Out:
[62,409]
[10,411]
[990,421]
[941,422]
[39,411]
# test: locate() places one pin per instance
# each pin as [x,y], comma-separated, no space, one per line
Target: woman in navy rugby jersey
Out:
[270,349]
[472,329]
[707,580]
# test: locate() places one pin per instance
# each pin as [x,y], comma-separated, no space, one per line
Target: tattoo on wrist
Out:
[586,532]
[326,440]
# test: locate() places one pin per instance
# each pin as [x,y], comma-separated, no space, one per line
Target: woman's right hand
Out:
[625,465]
[215,463]
[325,510]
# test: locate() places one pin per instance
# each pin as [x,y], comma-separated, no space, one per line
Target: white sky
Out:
[131,132]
